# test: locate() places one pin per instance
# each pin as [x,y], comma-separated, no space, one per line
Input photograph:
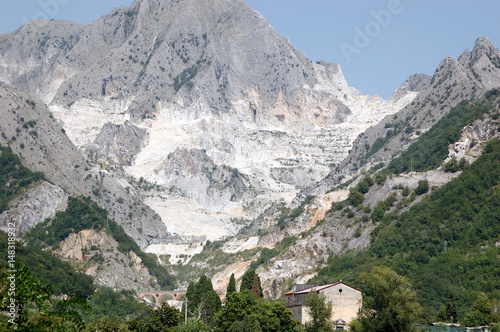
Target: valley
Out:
[210,146]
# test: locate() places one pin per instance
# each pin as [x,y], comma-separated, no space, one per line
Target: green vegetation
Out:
[321,313]
[356,195]
[243,312]
[185,77]
[390,304]
[231,287]
[64,279]
[203,301]
[31,293]
[445,245]
[431,148]
[161,320]
[193,324]
[251,281]
[14,177]
[288,215]
[81,214]
[122,304]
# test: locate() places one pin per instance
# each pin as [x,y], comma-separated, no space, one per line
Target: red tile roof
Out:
[320,288]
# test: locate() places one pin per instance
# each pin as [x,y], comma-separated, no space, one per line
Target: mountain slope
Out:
[167,76]
[469,77]
[448,244]
[33,133]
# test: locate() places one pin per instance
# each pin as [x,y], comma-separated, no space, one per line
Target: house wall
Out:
[346,303]
[297,312]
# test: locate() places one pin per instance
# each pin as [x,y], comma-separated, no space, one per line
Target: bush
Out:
[423,187]
[355,197]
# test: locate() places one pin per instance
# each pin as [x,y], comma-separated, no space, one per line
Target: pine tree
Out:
[255,287]
[231,287]
[247,282]
[203,300]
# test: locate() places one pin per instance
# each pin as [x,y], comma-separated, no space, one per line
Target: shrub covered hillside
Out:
[14,177]
[448,245]
[432,147]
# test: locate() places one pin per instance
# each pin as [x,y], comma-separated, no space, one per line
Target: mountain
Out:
[249,154]
[151,85]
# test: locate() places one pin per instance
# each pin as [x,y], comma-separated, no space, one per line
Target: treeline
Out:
[108,310]
[447,245]
[245,310]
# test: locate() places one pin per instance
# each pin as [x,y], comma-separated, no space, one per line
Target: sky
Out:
[378,43]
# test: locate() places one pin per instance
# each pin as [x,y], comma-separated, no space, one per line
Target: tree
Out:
[243,311]
[422,188]
[248,324]
[50,314]
[236,308]
[193,324]
[203,301]
[231,287]
[448,313]
[320,311]
[256,287]
[480,313]
[392,305]
[107,324]
[162,319]
[119,304]
[248,279]
[355,197]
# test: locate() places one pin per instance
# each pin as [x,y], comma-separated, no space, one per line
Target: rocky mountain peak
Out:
[484,43]
[417,82]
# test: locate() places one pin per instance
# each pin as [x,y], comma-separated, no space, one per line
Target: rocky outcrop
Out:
[117,143]
[197,177]
[98,253]
[39,202]
[335,236]
[472,139]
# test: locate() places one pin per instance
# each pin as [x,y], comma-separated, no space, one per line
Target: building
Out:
[346,300]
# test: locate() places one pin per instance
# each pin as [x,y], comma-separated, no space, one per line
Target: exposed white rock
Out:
[472,137]
[185,218]
[237,245]
[39,202]
[179,253]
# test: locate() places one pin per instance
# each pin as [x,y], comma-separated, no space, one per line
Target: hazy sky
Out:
[378,43]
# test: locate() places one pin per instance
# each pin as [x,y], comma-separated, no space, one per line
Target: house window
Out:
[340,324]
